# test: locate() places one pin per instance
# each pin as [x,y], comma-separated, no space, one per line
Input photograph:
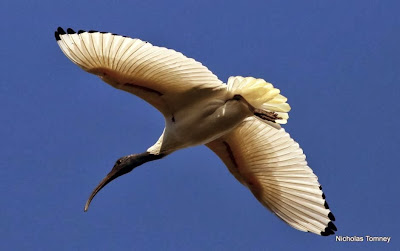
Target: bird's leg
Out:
[265,115]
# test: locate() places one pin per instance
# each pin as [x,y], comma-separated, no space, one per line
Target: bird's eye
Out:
[119,161]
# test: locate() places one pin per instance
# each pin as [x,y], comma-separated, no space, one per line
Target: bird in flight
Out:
[239,121]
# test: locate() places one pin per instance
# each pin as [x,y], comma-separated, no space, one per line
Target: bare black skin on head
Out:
[123,166]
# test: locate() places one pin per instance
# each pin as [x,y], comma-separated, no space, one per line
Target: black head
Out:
[122,166]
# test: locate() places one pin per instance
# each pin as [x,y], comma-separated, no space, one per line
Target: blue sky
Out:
[62,129]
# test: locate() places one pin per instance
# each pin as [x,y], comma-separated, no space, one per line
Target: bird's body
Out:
[239,121]
[201,123]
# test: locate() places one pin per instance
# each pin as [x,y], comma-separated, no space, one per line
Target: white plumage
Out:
[239,121]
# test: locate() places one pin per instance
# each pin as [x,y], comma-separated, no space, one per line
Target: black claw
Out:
[103,32]
[326,205]
[60,31]
[331,217]
[323,196]
[92,31]
[80,31]
[332,226]
[320,187]
[57,36]
[70,31]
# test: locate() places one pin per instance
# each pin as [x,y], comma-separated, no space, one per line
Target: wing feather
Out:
[163,77]
[273,166]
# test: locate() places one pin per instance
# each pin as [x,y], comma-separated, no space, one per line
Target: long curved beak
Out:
[115,173]
[130,162]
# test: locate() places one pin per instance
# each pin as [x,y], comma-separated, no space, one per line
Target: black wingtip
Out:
[331,217]
[57,36]
[327,232]
[70,31]
[61,31]
[332,226]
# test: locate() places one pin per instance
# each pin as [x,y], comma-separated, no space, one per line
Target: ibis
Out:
[240,121]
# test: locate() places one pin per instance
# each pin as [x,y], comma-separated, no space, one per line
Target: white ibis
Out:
[239,121]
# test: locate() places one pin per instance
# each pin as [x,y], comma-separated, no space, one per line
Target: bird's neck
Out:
[147,156]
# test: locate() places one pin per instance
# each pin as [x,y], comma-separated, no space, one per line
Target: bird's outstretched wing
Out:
[272,165]
[163,77]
